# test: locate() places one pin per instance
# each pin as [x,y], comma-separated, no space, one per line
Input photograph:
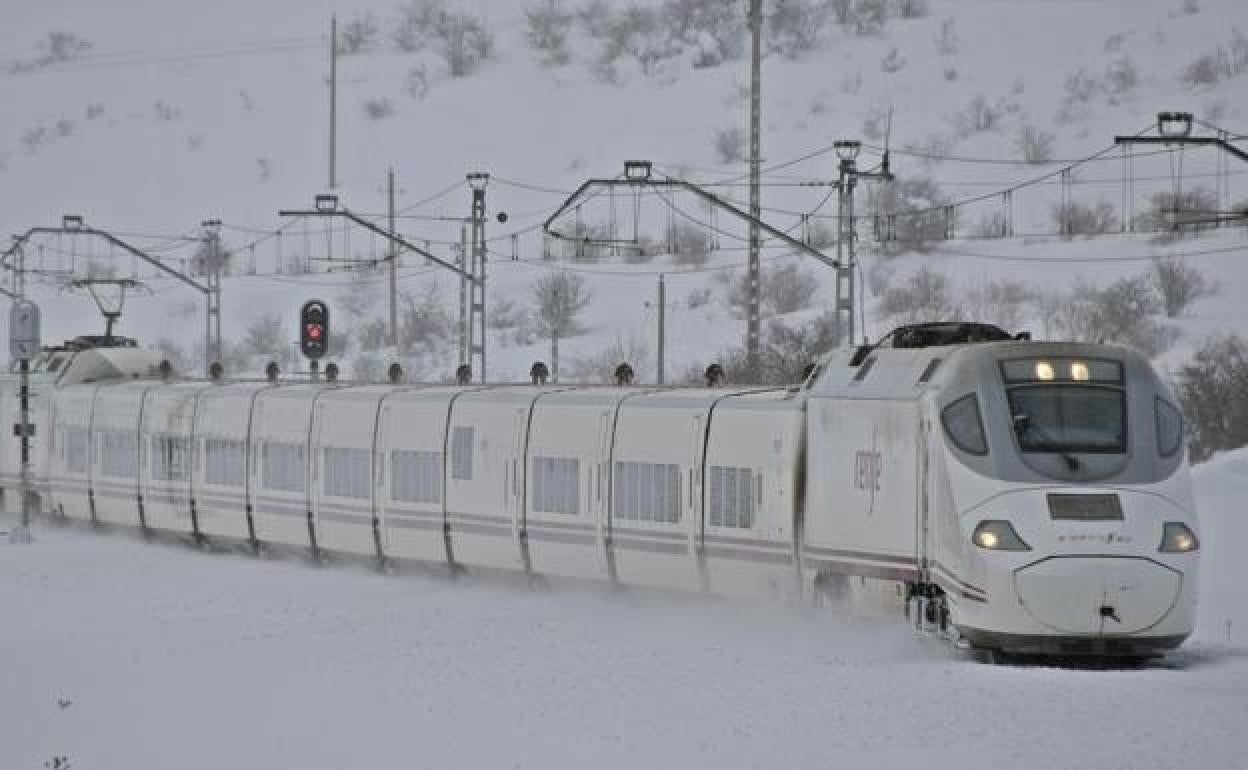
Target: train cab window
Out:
[461,453]
[416,477]
[964,426]
[732,497]
[1063,405]
[556,484]
[1169,427]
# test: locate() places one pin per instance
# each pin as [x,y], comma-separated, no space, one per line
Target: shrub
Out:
[979,116]
[378,108]
[360,34]
[1181,212]
[690,244]
[947,40]
[1076,218]
[998,302]
[893,62]
[716,29]
[1121,313]
[911,9]
[1121,78]
[730,145]
[925,296]
[1221,63]
[867,17]
[600,367]
[914,214]
[788,289]
[1213,391]
[425,327]
[549,25]
[460,39]
[1035,144]
[1079,90]
[793,27]
[1178,285]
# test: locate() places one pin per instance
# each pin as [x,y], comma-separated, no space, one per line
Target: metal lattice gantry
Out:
[329,206]
[639,175]
[14,260]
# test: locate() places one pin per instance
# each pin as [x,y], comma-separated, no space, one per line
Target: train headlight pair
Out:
[1177,538]
[998,535]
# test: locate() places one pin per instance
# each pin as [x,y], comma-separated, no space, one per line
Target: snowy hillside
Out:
[175,114]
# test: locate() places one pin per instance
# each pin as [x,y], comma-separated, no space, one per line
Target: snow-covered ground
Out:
[117,654]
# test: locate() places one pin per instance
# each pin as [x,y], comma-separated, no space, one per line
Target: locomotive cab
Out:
[1068,500]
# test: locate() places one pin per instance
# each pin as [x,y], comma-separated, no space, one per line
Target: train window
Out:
[225,462]
[964,426]
[348,473]
[171,458]
[76,449]
[1069,418]
[1169,427]
[119,454]
[461,453]
[415,477]
[556,484]
[646,492]
[928,372]
[732,497]
[285,467]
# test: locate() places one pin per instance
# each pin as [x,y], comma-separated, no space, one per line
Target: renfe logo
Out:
[868,464]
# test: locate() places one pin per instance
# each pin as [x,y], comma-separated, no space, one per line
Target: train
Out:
[1015,496]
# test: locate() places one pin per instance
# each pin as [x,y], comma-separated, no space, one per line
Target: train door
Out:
[513,489]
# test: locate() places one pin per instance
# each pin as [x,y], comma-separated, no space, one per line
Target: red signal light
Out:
[314,332]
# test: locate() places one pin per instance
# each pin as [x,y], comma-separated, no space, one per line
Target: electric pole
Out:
[333,101]
[394,264]
[213,258]
[662,325]
[753,322]
[846,234]
[476,316]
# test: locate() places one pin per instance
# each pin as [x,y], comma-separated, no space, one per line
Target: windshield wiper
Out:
[1023,425]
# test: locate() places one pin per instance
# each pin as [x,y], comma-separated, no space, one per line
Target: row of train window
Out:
[649,492]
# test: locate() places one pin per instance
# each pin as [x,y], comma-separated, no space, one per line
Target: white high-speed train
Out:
[1021,496]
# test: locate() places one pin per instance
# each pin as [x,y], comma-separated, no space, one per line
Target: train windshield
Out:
[1069,418]
[1067,405]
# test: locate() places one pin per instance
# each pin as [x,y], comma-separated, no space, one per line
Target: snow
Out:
[174,658]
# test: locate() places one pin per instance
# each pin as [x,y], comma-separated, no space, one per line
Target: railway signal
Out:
[314,329]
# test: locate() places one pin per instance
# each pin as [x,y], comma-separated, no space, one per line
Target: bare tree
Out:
[558,298]
[1213,390]
[549,26]
[925,296]
[1179,285]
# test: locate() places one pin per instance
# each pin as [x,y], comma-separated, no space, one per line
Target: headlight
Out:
[1177,538]
[998,535]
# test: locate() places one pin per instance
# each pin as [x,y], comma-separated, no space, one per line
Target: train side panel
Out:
[485,481]
[346,476]
[569,453]
[863,487]
[411,438]
[165,476]
[70,464]
[282,471]
[219,477]
[751,502]
[117,453]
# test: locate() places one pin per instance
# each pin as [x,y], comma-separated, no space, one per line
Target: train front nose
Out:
[1098,595]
